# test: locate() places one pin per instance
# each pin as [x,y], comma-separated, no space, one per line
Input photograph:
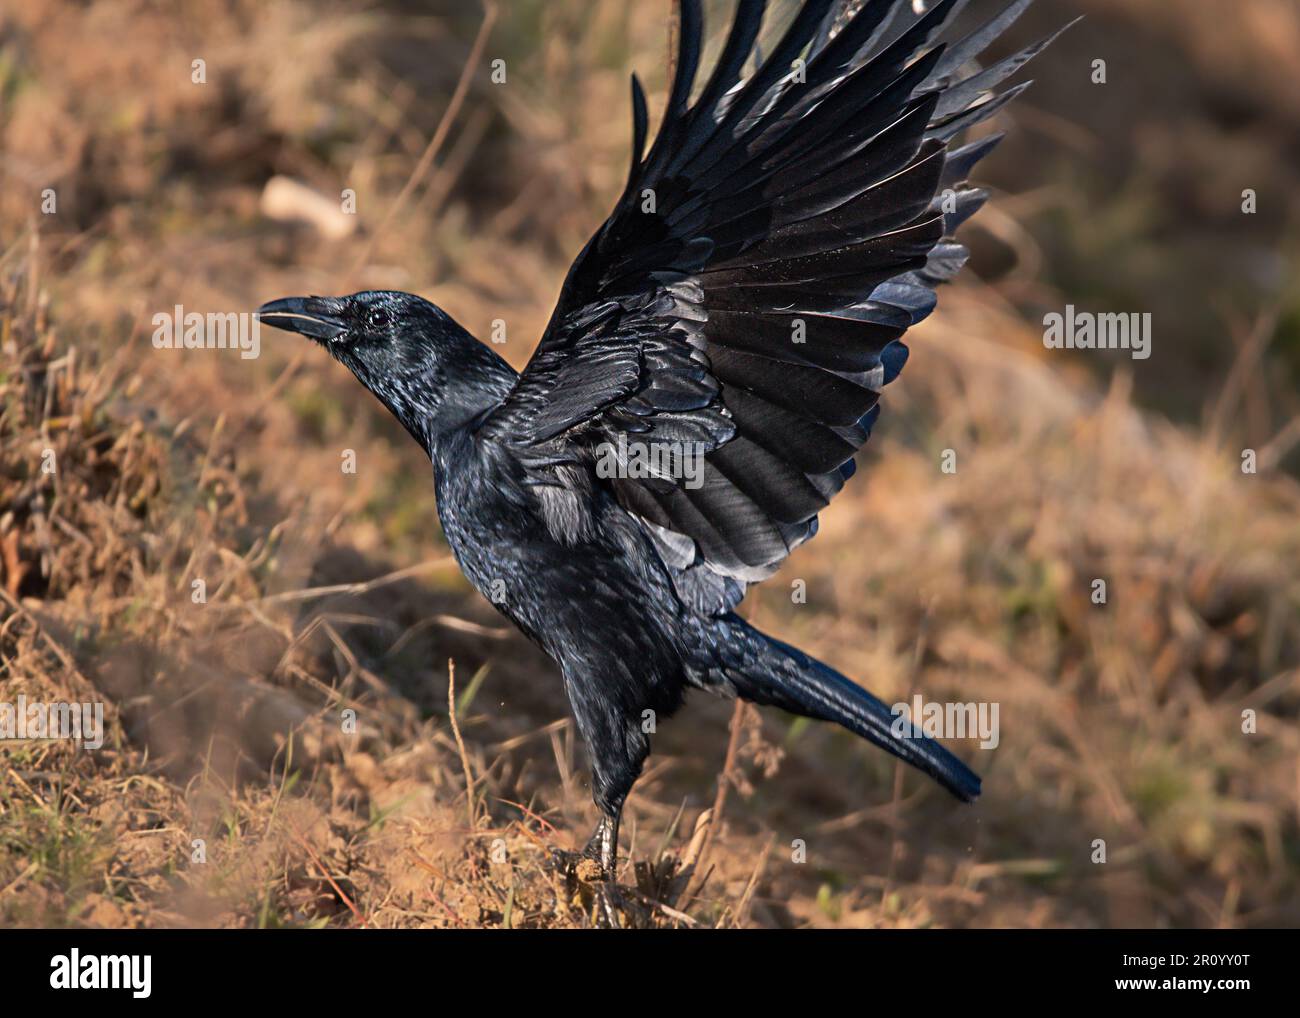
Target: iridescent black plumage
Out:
[748,294]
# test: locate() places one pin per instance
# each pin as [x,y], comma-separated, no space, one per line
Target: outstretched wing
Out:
[746,298]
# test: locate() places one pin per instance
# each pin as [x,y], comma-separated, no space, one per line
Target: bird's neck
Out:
[449,393]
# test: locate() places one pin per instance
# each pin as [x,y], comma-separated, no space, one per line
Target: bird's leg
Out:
[617,748]
[603,845]
[603,849]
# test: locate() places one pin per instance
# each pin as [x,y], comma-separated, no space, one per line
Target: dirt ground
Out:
[272,635]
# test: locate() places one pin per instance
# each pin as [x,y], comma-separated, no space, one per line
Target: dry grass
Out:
[1120,722]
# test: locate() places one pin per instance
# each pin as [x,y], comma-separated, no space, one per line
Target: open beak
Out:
[320,318]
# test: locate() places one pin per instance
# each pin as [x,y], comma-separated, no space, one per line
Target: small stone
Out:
[589,871]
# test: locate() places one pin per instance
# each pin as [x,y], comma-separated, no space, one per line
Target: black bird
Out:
[741,309]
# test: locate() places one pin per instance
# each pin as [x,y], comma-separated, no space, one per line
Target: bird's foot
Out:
[607,906]
[576,866]
[587,887]
[590,879]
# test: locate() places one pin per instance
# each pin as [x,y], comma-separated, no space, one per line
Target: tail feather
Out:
[779,675]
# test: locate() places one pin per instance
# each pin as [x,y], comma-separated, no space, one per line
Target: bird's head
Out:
[415,358]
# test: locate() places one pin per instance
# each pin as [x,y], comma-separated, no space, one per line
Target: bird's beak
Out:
[320,318]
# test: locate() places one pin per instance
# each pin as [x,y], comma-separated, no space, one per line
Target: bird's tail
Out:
[782,676]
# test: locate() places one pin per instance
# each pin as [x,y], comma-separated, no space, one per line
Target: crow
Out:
[712,367]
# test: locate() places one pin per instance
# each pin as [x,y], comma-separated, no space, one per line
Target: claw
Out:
[606,906]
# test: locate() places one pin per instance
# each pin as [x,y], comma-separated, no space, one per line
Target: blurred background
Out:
[199,154]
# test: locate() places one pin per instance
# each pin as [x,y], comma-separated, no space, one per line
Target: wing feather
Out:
[749,292]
